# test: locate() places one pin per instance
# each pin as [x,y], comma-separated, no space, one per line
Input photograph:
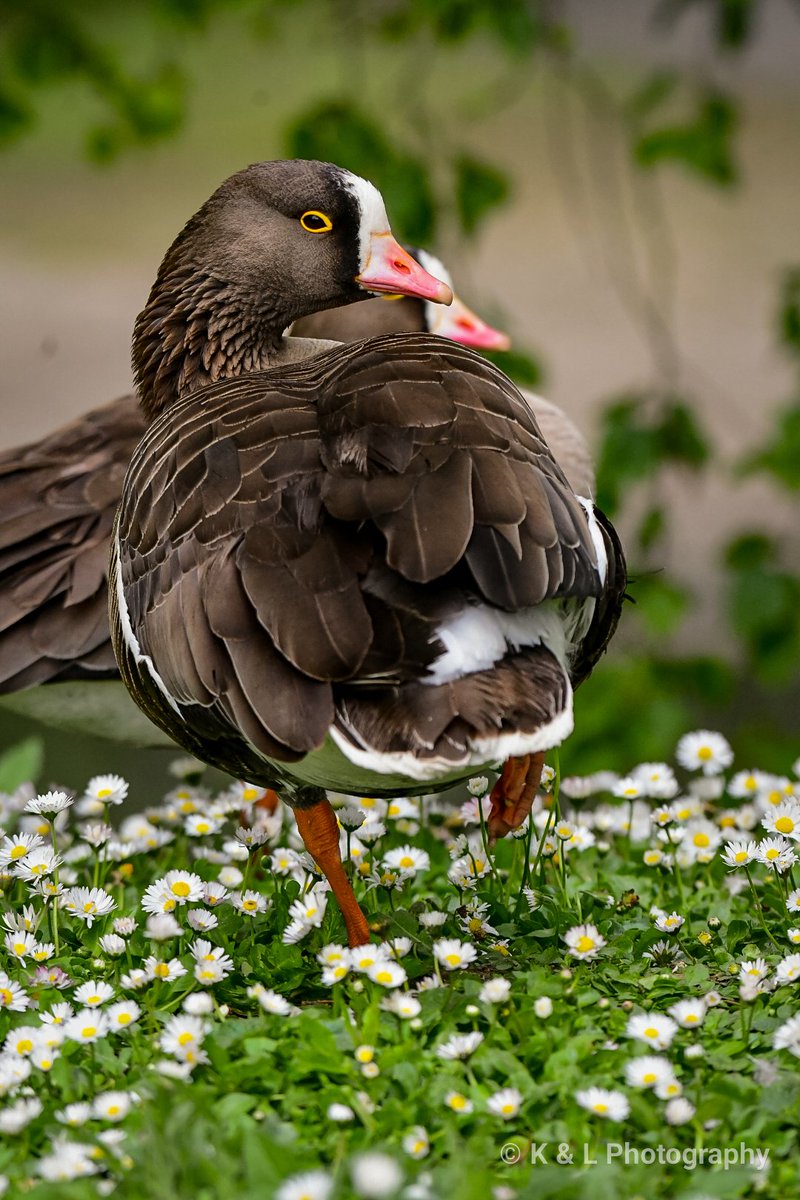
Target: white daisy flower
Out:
[202,921]
[162,927]
[689,1013]
[112,944]
[89,904]
[198,1004]
[783,820]
[787,1036]
[250,903]
[272,1002]
[458,1102]
[453,954]
[16,846]
[433,919]
[416,1142]
[335,974]
[310,907]
[628,788]
[21,1041]
[652,857]
[110,789]
[505,1103]
[182,1034]
[407,858]
[543,1007]
[185,887]
[16,1116]
[74,1114]
[704,751]
[112,1106]
[362,958]
[87,1026]
[584,941]
[495,991]
[122,1014]
[657,779]
[94,993]
[678,1111]
[388,973]
[125,926]
[201,825]
[788,969]
[794,936]
[653,1028]
[19,944]
[402,1004]
[648,1071]
[134,979]
[311,1185]
[375,1176]
[48,803]
[460,1045]
[753,969]
[669,922]
[341,1113]
[58,1014]
[612,1105]
[739,854]
[166,971]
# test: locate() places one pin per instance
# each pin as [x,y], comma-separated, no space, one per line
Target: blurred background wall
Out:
[615,182]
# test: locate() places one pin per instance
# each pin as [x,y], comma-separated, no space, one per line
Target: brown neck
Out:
[196,329]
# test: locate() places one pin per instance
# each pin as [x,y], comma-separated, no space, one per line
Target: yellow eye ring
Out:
[316,222]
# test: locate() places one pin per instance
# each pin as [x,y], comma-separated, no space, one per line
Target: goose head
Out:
[275,242]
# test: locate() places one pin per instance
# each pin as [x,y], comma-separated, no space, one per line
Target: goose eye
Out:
[316,222]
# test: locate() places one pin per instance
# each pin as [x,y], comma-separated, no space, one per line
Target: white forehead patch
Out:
[373,218]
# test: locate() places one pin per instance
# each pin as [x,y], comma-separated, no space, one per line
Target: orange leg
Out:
[320,833]
[512,795]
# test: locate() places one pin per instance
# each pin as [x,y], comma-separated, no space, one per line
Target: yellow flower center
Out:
[383,977]
[508,1109]
[772,854]
[89,906]
[691,1018]
[161,970]
[202,826]
[93,1000]
[24,1046]
[19,852]
[104,793]
[19,947]
[185,1037]
[5,996]
[740,856]
[705,753]
[727,822]
[406,861]
[45,1064]
[89,1031]
[784,825]
[124,1018]
[600,1108]
[584,944]
[701,839]
[112,1110]
[650,1077]
[250,794]
[367,802]
[453,959]
[458,1101]
[651,1032]
[251,904]
[180,888]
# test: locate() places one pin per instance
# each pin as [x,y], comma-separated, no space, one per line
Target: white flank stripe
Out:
[129,637]
[597,537]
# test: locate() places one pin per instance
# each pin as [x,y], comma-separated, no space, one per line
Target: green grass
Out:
[253,1110]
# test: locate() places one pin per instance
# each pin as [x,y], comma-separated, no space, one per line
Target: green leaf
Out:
[703,145]
[661,603]
[21,764]
[780,456]
[479,187]
[525,370]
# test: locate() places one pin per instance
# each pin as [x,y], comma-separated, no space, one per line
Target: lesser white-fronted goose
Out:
[58,497]
[364,571]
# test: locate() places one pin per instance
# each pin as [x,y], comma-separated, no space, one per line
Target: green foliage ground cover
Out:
[180,1019]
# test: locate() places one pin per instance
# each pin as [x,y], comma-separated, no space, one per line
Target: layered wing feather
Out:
[57,503]
[292,539]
